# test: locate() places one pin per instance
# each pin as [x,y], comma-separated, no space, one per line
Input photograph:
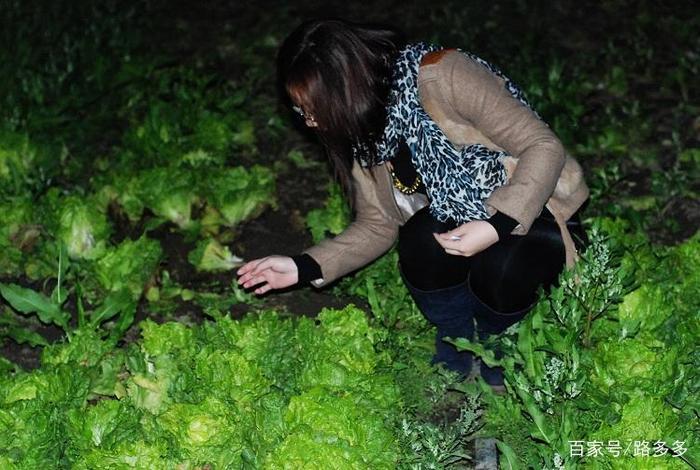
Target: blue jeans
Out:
[451,311]
[454,312]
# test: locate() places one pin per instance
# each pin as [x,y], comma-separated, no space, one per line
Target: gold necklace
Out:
[402,187]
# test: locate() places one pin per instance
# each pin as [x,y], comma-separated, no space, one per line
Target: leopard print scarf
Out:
[457,181]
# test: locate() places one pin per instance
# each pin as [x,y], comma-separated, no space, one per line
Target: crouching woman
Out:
[438,149]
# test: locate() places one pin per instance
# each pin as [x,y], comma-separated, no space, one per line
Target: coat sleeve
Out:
[481,98]
[371,234]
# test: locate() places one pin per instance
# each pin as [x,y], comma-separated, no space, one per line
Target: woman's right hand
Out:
[276,272]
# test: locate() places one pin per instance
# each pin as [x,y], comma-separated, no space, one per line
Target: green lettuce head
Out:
[238,194]
[130,265]
[82,227]
[210,255]
[329,429]
[644,418]
[207,433]
[169,193]
[332,218]
[212,134]
[640,362]
[125,192]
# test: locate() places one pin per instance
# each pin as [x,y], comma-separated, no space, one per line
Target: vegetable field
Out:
[145,154]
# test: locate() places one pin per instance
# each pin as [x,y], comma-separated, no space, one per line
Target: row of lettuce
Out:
[107,139]
[221,198]
[102,232]
[198,198]
[264,392]
[177,165]
[607,361]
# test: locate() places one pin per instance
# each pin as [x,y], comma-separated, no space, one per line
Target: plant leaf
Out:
[510,461]
[124,322]
[25,335]
[60,293]
[537,417]
[115,303]
[463,344]
[28,301]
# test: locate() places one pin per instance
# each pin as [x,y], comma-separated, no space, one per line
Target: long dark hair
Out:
[340,73]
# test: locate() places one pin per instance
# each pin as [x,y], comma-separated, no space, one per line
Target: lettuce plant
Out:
[239,193]
[169,193]
[210,255]
[82,227]
[129,265]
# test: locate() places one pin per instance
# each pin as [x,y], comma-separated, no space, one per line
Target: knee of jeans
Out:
[448,307]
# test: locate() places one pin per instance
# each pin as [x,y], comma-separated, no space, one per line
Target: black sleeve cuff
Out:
[503,224]
[307,268]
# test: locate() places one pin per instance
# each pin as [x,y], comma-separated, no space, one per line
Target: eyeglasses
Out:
[300,112]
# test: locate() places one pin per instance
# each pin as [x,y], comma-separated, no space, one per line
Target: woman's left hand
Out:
[474,236]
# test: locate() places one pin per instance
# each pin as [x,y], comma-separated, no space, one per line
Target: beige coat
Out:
[472,106]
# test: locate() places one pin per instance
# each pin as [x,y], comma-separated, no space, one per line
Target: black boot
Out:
[451,310]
